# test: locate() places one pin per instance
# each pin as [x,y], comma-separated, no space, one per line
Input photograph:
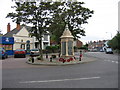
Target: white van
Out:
[109,50]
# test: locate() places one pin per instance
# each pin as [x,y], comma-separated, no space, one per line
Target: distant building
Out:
[78,43]
[96,45]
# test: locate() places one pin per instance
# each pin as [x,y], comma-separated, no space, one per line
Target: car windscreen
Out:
[19,50]
[34,50]
[1,49]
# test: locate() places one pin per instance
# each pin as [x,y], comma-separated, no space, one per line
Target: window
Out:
[22,46]
[45,37]
[22,40]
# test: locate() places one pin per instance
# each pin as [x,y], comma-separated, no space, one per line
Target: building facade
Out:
[96,45]
[22,38]
[78,43]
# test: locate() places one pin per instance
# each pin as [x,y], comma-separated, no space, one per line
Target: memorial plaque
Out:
[63,48]
[70,45]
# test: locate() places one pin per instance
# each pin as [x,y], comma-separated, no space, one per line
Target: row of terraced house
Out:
[96,45]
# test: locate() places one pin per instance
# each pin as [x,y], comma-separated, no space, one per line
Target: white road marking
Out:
[112,61]
[116,62]
[60,80]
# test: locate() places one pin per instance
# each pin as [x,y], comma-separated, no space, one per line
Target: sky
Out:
[103,24]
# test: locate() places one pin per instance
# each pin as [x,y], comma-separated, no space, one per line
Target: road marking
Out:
[60,80]
[112,61]
[116,62]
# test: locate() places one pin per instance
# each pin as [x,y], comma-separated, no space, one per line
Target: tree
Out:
[115,42]
[51,16]
[73,14]
[1,32]
[39,14]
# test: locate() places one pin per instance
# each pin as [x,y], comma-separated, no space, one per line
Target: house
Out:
[78,43]
[96,45]
[22,38]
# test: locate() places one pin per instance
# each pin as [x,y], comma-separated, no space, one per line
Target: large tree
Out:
[73,14]
[51,16]
[39,14]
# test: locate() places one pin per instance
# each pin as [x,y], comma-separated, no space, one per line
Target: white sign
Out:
[7,39]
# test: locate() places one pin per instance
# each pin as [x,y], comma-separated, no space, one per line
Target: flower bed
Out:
[66,60]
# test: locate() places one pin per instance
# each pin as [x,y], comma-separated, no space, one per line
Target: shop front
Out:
[7,44]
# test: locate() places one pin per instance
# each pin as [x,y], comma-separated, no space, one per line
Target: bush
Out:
[53,56]
[52,49]
[83,47]
[115,42]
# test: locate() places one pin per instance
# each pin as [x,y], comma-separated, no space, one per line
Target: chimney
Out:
[8,27]
[18,26]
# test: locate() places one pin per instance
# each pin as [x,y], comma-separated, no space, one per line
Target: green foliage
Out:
[53,48]
[1,33]
[39,14]
[73,14]
[115,42]
[84,47]
[52,16]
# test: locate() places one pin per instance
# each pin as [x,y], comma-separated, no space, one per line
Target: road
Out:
[102,73]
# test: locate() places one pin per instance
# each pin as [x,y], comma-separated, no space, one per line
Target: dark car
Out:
[20,53]
[3,53]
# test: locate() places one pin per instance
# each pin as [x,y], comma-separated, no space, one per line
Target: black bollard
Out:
[46,56]
[59,55]
[32,60]
[51,59]
[80,55]
[80,59]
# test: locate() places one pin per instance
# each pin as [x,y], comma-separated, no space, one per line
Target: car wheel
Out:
[6,56]
[24,56]
[3,57]
[14,56]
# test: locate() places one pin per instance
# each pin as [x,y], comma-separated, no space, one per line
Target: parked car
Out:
[34,52]
[19,53]
[101,50]
[109,51]
[3,53]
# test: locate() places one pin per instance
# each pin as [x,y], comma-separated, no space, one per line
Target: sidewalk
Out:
[56,62]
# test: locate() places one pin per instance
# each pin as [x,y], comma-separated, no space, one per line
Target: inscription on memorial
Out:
[63,48]
[70,44]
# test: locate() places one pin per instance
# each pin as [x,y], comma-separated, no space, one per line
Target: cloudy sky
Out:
[102,25]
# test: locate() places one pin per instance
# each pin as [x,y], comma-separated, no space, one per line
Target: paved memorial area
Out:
[56,60]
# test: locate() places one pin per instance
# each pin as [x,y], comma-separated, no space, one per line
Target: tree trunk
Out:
[40,49]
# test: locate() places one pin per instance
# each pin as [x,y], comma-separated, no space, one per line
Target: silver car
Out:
[34,52]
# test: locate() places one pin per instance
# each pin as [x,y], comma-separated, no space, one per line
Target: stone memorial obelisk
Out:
[67,48]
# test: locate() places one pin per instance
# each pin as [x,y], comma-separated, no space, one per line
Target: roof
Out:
[15,31]
[67,33]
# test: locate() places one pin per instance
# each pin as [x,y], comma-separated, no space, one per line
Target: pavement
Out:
[56,62]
